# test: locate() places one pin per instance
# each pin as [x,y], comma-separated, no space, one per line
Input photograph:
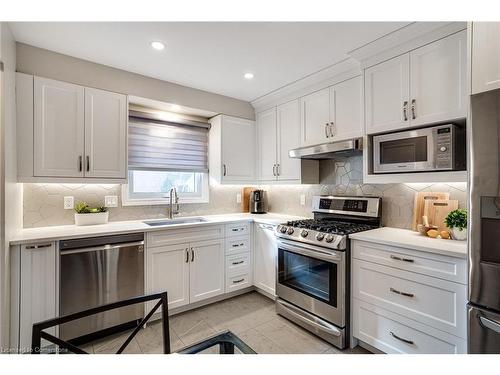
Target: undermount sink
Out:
[159,223]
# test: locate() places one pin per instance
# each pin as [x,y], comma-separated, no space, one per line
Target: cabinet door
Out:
[38,289]
[168,270]
[267,134]
[105,134]
[58,128]
[238,149]
[265,258]
[288,138]
[485,56]
[386,95]
[315,117]
[346,109]
[207,269]
[438,81]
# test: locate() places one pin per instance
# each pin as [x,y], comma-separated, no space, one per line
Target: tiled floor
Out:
[250,316]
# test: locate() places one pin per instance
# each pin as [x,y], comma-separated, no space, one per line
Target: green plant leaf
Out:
[457,219]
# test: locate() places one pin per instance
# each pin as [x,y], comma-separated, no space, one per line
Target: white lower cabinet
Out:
[407,301]
[206,274]
[265,258]
[238,257]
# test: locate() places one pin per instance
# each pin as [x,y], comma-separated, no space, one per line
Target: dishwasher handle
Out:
[139,244]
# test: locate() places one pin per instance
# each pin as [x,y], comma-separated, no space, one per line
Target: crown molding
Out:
[405,39]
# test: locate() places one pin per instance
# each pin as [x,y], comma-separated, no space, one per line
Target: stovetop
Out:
[331,226]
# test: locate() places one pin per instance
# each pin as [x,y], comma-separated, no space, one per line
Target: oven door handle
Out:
[308,318]
[318,254]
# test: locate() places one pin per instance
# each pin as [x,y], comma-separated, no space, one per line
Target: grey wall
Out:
[49,64]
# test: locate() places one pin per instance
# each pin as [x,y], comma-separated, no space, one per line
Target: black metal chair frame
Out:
[226,340]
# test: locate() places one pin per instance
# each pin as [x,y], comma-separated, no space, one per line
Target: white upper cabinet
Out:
[105,134]
[267,140]
[315,117]
[232,149]
[207,270]
[75,133]
[58,129]
[438,81]
[485,56]
[424,86]
[288,138]
[386,95]
[346,109]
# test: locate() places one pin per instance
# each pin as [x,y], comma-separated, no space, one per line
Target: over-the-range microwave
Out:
[436,148]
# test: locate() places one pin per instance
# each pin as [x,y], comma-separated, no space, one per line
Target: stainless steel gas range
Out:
[313,275]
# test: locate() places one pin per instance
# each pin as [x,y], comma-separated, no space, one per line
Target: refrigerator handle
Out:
[489,323]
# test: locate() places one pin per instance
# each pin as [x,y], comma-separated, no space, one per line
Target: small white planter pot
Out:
[92,219]
[460,235]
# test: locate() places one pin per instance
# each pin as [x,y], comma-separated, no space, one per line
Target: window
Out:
[163,155]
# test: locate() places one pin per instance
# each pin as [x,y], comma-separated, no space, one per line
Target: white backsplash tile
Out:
[43,203]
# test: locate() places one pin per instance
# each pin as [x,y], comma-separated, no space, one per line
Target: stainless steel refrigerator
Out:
[484,224]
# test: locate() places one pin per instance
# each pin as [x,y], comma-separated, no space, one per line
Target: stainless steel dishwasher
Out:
[99,270]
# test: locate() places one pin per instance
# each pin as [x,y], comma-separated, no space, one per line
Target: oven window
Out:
[314,277]
[408,150]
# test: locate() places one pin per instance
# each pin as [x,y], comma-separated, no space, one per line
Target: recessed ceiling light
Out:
[157,45]
[248,75]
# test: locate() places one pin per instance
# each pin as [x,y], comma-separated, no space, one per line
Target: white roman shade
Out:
[167,146]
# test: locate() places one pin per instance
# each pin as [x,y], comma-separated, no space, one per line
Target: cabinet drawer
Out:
[444,267]
[238,264]
[239,281]
[392,333]
[238,245]
[435,302]
[238,229]
[184,235]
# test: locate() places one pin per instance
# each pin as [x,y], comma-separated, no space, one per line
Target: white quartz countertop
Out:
[63,232]
[413,240]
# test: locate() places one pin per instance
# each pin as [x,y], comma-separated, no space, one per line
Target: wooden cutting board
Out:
[418,209]
[437,210]
[245,199]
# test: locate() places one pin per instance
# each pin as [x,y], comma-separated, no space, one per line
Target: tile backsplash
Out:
[43,203]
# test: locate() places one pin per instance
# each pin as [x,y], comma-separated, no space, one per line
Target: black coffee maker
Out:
[258,202]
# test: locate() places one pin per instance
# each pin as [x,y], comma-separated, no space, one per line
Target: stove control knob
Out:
[304,233]
[329,238]
[320,236]
[290,230]
[283,229]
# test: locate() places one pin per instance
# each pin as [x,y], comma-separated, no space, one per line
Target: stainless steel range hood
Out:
[329,150]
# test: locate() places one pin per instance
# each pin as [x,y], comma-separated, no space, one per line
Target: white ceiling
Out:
[209,56]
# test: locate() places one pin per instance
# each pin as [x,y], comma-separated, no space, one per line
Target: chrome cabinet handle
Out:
[332,128]
[274,170]
[401,293]
[224,169]
[238,245]
[278,169]
[31,247]
[413,109]
[326,130]
[238,281]
[237,229]
[88,163]
[187,255]
[402,259]
[192,255]
[405,110]
[401,339]
[240,262]
[80,163]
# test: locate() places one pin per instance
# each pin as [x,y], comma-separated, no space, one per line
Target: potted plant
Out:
[86,215]
[457,222]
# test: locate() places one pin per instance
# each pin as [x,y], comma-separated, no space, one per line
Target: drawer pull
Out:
[237,229]
[240,262]
[401,293]
[402,259]
[238,244]
[238,281]
[30,247]
[400,338]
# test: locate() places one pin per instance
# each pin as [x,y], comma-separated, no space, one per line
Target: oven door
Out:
[409,151]
[312,278]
